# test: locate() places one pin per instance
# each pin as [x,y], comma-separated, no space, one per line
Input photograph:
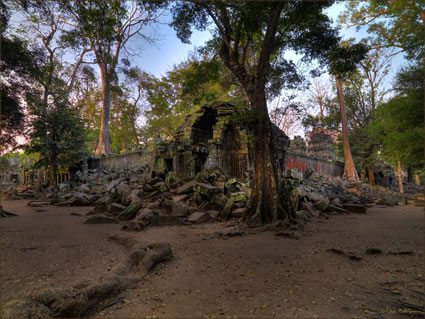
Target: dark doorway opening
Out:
[169,164]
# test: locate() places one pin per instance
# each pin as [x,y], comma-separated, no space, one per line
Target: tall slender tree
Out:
[106,27]
[350,171]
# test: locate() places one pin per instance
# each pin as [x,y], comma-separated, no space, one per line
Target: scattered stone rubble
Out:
[313,195]
[142,197]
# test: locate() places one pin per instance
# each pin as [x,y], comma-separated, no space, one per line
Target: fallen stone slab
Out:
[116,208]
[338,209]
[199,217]
[355,208]
[161,186]
[180,197]
[15,197]
[239,197]
[387,200]
[114,183]
[205,189]
[214,213]
[130,211]
[322,204]
[99,219]
[309,208]
[239,212]
[104,200]
[35,203]
[225,213]
[219,199]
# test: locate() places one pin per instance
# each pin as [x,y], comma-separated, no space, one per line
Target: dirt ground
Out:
[256,275]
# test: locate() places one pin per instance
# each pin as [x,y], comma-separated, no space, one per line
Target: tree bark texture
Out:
[417,179]
[39,181]
[265,199]
[104,145]
[349,168]
[52,176]
[371,175]
[399,177]
[363,174]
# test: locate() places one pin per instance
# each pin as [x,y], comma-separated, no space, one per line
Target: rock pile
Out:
[311,195]
[142,197]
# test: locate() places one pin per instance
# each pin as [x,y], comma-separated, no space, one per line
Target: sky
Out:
[160,58]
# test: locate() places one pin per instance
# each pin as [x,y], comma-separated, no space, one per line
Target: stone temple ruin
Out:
[211,138]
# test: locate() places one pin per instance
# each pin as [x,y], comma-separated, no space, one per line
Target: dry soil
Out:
[327,273]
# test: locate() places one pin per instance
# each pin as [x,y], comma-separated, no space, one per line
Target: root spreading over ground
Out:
[85,297]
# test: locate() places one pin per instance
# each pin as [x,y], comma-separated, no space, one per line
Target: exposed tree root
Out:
[85,297]
[4,213]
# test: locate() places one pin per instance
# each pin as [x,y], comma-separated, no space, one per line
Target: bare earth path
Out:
[256,275]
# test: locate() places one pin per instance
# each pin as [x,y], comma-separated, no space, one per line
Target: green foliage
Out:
[18,160]
[343,59]
[191,84]
[401,120]
[90,106]
[396,24]
[58,135]
[240,39]
[123,122]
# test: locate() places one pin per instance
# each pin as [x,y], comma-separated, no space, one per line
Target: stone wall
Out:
[323,167]
[121,161]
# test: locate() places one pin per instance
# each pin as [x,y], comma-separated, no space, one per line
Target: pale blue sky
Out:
[168,51]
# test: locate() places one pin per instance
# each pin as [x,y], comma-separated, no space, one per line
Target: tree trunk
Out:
[265,202]
[52,176]
[363,174]
[104,146]
[322,116]
[399,177]
[417,179]
[39,180]
[349,168]
[371,175]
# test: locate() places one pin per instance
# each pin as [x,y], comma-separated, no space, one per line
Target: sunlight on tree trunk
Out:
[399,177]
[104,146]
[349,168]
[417,180]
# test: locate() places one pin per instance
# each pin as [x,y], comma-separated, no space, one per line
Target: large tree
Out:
[106,27]
[250,38]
